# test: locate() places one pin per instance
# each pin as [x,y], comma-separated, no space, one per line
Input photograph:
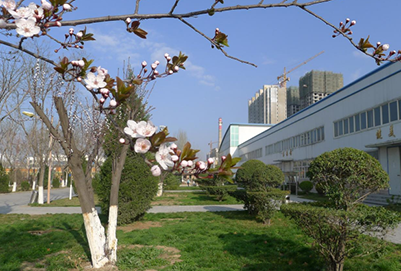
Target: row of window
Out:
[252,155]
[308,138]
[377,116]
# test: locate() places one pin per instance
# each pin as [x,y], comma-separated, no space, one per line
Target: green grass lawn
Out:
[312,196]
[219,241]
[73,202]
[191,198]
[189,188]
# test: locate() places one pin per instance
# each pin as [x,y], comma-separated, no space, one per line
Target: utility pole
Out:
[50,165]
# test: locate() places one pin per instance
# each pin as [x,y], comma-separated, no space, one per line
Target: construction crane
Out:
[211,145]
[282,79]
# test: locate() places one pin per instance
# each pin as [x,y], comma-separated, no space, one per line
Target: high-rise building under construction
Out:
[315,85]
[268,106]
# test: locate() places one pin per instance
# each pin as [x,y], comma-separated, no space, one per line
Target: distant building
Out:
[293,102]
[315,85]
[268,106]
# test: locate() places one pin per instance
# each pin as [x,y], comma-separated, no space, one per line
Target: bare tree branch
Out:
[137,6]
[215,44]
[174,6]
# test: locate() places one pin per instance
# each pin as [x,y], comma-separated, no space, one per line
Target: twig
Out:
[215,44]
[174,6]
[137,6]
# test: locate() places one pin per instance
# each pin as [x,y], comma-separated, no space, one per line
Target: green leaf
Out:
[221,39]
[59,70]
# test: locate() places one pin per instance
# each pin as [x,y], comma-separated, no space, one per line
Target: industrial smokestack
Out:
[220,127]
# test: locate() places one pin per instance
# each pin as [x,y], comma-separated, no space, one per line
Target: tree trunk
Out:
[40,185]
[117,169]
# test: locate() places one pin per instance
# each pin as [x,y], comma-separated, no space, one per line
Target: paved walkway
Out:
[17,203]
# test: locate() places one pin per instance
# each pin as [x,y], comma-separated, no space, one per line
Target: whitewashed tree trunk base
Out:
[96,239]
[111,234]
[34,185]
[40,196]
[160,190]
[14,187]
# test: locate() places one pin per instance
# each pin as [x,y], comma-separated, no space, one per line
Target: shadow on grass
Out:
[267,252]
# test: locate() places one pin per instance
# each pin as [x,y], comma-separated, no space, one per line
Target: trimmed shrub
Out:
[25,186]
[4,180]
[348,176]
[265,204]
[320,188]
[137,188]
[221,191]
[306,186]
[254,175]
[172,182]
[56,183]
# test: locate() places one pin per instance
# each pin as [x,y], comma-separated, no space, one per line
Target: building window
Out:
[393,111]
[363,120]
[370,118]
[351,124]
[385,116]
[345,126]
[335,129]
[357,123]
[377,116]
[340,128]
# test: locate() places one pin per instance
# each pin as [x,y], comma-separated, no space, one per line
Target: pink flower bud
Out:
[174,158]
[166,55]
[202,165]
[104,91]
[144,64]
[173,146]
[66,7]
[157,62]
[385,47]
[156,72]
[154,66]
[217,31]
[168,59]
[378,43]
[210,161]
[347,20]
[190,163]
[102,100]
[223,158]
[170,72]
[71,31]
[184,163]
[79,34]
[156,171]
[81,63]
[46,5]
[79,79]
[58,23]
[176,68]
[128,20]
[122,140]
[113,103]
[353,22]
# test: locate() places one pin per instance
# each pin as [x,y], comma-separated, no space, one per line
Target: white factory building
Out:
[365,114]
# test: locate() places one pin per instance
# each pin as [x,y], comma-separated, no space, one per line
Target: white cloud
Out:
[120,46]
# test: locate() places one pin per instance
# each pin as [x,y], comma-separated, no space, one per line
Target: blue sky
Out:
[214,86]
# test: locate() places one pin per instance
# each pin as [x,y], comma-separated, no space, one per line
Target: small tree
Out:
[348,176]
[4,180]
[137,188]
[306,186]
[261,197]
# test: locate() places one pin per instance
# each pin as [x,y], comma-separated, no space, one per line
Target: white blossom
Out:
[79,34]
[67,7]
[128,20]
[156,171]
[102,71]
[131,129]
[22,12]
[202,165]
[113,103]
[174,158]
[122,140]
[385,47]
[184,163]
[46,5]
[142,145]
[9,5]
[190,163]
[27,27]
[163,156]
[95,81]
[146,129]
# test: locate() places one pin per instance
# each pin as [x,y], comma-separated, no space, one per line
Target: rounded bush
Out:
[320,188]
[306,186]
[56,183]
[137,188]
[4,180]
[172,182]
[348,175]
[25,186]
[254,175]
